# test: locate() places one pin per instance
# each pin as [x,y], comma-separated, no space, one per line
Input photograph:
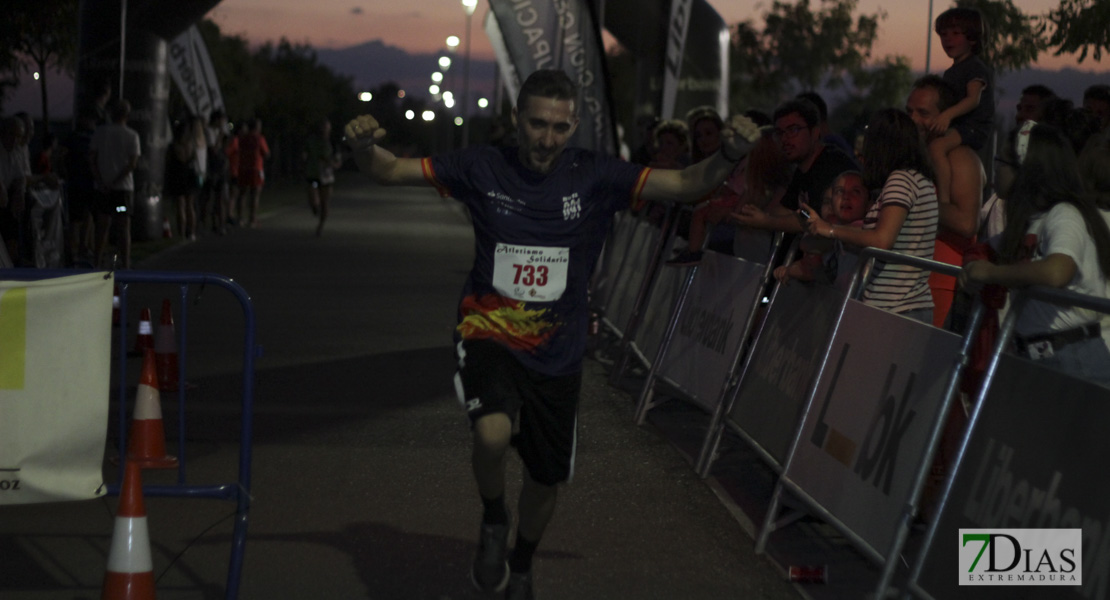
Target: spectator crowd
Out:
[921,180]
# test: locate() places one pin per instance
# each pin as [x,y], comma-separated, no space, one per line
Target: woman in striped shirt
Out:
[903,219]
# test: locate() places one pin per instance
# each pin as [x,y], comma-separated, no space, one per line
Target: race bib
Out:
[530,273]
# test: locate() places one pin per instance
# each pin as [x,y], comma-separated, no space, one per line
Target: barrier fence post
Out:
[666,239]
[951,393]
[644,403]
[1018,302]
[776,496]
[752,330]
[1006,331]
[833,438]
[617,256]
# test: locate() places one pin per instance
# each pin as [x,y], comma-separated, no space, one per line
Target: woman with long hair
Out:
[1055,237]
[903,219]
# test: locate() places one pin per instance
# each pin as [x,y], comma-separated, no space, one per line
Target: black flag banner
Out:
[529,35]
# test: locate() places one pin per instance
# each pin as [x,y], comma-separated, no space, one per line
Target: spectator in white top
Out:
[1054,237]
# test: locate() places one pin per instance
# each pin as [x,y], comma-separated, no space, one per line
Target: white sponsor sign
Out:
[630,276]
[867,428]
[55,349]
[711,325]
[1035,460]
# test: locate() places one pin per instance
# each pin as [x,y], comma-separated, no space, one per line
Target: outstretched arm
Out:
[694,182]
[1054,270]
[362,135]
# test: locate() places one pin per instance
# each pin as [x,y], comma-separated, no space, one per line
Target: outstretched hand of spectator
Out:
[749,215]
[362,133]
[782,275]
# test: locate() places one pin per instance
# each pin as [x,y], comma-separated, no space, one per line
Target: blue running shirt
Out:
[537,238]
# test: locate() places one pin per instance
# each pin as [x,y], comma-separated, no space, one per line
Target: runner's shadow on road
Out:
[401,564]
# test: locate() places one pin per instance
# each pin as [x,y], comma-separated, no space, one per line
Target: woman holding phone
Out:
[903,219]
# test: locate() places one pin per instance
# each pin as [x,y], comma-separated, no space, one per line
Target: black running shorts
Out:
[543,408]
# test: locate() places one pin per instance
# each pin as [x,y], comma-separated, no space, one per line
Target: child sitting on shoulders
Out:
[970,121]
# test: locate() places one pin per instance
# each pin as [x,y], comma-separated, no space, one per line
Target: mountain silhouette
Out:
[374,63]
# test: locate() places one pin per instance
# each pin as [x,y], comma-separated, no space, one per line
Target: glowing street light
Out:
[445,62]
[366,96]
[433,89]
[452,42]
[437,77]
[458,121]
[483,103]
[410,114]
[428,115]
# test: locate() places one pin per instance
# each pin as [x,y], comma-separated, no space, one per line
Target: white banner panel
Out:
[658,309]
[633,269]
[1035,460]
[711,326]
[609,262]
[784,362]
[867,429]
[55,355]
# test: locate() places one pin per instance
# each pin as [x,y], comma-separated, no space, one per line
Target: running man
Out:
[540,212]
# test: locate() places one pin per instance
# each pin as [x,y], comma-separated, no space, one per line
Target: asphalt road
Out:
[361,482]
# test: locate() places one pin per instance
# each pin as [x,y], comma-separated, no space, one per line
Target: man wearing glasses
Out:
[817,165]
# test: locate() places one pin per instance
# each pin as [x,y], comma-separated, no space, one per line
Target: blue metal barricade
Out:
[236,491]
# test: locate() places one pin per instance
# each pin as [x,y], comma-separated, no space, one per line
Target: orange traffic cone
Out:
[167,231]
[130,573]
[165,350]
[145,339]
[146,443]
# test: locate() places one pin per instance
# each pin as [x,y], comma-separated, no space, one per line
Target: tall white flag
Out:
[192,72]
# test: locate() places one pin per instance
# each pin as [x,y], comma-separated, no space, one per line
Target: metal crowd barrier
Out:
[1069,437]
[648,279]
[860,486]
[236,491]
[712,395]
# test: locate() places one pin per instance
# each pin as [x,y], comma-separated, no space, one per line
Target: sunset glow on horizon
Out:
[421,26]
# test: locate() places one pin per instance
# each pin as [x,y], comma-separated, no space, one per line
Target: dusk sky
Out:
[423,25]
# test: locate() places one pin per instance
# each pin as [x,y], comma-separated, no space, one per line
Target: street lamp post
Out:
[469,6]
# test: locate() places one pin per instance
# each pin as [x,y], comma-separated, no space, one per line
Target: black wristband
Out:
[725,155]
